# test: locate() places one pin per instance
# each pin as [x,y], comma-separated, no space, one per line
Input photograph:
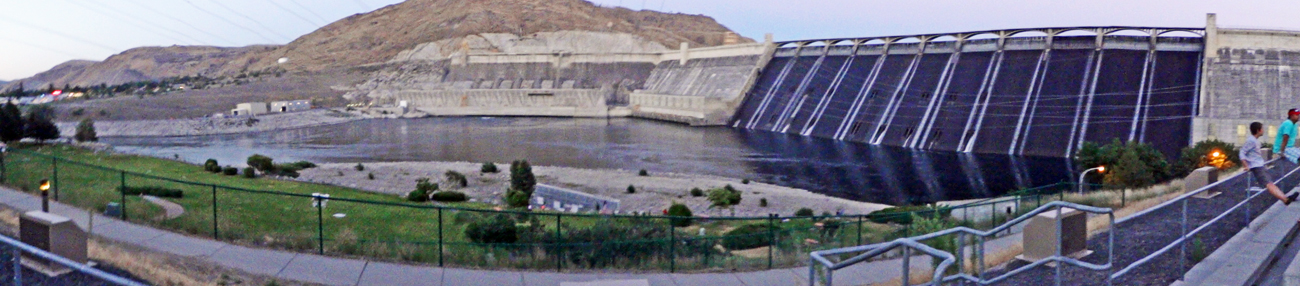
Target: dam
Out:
[1019,92]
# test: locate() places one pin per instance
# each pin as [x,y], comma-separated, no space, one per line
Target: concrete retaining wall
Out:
[1247,75]
[518,102]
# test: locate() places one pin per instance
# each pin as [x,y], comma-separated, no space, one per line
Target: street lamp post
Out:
[45,195]
[1101,169]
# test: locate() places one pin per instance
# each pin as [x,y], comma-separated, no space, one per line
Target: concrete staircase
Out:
[1245,257]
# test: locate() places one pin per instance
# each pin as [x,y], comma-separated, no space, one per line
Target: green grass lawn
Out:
[388,227]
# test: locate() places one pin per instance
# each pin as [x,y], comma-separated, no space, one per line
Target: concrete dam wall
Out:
[1022,95]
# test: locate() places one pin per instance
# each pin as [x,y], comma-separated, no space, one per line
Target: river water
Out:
[843,169]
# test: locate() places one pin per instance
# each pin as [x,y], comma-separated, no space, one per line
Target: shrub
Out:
[229,171]
[464,217]
[457,179]
[1197,156]
[302,165]
[517,199]
[152,191]
[905,214]
[86,131]
[261,163]
[725,197]
[803,212]
[249,172]
[360,167]
[748,236]
[1127,164]
[643,173]
[696,192]
[489,167]
[211,166]
[744,181]
[631,189]
[425,185]
[370,176]
[521,177]
[418,196]
[449,196]
[762,202]
[681,215]
[500,228]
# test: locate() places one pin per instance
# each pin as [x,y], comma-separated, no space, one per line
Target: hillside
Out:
[380,35]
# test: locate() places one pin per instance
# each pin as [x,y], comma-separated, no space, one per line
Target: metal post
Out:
[55,179]
[812,271]
[122,189]
[980,249]
[771,231]
[672,248]
[320,228]
[860,229]
[440,250]
[215,232]
[907,267]
[1059,264]
[557,241]
[18,267]
[1123,197]
[1182,246]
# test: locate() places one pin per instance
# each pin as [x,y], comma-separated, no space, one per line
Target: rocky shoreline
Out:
[654,193]
[215,125]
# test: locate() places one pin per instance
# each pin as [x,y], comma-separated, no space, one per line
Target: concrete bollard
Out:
[53,233]
[1200,178]
[1039,237]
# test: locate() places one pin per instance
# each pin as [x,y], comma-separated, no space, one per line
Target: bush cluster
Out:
[156,191]
[250,173]
[697,192]
[230,171]
[268,166]
[906,214]
[631,189]
[423,188]
[489,167]
[803,212]
[748,236]
[86,131]
[643,173]
[212,166]
[360,167]
[449,196]
[522,182]
[681,215]
[1197,156]
[725,197]
[499,228]
[1131,165]
[457,179]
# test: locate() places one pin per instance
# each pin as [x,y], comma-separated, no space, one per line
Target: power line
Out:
[146,25]
[295,2]
[295,14]
[250,19]
[173,18]
[71,37]
[40,47]
[232,23]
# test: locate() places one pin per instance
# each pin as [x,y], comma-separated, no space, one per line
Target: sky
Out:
[36,35]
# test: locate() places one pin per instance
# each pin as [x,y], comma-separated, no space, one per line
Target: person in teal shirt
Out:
[1286,136]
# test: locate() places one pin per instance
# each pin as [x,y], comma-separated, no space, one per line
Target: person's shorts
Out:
[1261,176]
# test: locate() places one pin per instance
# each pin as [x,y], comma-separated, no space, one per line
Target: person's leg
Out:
[1263,178]
[1276,192]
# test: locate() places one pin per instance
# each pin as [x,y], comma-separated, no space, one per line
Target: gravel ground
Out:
[35,278]
[212,125]
[654,192]
[1144,235]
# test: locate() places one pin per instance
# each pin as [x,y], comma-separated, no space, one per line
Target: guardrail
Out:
[18,247]
[873,250]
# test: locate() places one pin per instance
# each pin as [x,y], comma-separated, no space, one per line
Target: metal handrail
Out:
[873,250]
[1181,241]
[20,247]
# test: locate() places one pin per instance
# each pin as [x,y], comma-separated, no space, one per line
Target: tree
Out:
[261,163]
[40,128]
[86,131]
[521,177]
[11,123]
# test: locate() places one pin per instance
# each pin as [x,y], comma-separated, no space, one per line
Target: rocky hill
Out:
[379,36]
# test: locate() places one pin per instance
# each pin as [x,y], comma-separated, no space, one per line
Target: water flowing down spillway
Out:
[1018,96]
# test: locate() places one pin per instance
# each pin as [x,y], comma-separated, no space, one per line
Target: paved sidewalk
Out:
[339,271]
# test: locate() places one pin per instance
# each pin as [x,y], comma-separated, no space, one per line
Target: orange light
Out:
[45,185]
[1101,169]
[1216,154]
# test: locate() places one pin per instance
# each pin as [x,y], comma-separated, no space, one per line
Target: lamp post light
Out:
[45,195]
[1101,169]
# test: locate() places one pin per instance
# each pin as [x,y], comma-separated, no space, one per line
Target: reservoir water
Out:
[849,170]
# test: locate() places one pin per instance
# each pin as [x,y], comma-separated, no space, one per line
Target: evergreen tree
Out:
[40,128]
[11,123]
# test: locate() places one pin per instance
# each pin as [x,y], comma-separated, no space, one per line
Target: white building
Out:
[249,109]
[290,106]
